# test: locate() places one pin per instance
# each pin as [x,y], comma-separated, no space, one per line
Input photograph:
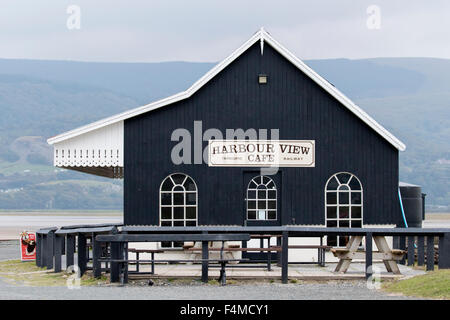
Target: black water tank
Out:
[412,204]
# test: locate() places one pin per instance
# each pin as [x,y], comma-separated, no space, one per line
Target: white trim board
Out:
[263,37]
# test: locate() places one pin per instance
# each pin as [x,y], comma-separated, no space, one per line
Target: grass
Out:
[435,284]
[27,273]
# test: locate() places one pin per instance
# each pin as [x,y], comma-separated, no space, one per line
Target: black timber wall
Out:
[291,102]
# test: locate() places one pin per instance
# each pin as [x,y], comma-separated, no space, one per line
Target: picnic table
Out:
[351,251]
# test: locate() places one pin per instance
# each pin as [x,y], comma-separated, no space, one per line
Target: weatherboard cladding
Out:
[290,101]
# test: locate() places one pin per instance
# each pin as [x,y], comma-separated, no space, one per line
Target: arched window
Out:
[261,199]
[177,203]
[343,205]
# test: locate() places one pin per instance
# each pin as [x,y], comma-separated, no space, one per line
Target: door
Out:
[262,195]
[262,207]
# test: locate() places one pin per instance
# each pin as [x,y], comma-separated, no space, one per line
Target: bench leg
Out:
[153,263]
[269,261]
[382,245]
[205,257]
[223,275]
[137,261]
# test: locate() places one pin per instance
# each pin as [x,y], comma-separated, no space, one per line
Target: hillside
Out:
[38,99]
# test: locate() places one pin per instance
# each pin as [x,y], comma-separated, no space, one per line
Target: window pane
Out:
[251,195]
[191,213]
[356,224]
[178,223]
[189,185]
[191,198]
[166,199]
[331,197]
[167,185]
[272,215]
[262,204]
[354,184]
[178,213]
[166,213]
[343,177]
[343,240]
[271,185]
[262,194]
[261,215]
[252,185]
[251,214]
[356,197]
[344,212]
[332,241]
[178,178]
[178,188]
[344,197]
[331,212]
[331,223]
[266,180]
[344,224]
[251,204]
[356,212]
[178,244]
[332,184]
[191,223]
[343,187]
[166,244]
[272,194]
[272,204]
[178,198]
[166,223]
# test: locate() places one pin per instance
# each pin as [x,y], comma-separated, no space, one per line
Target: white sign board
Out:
[261,153]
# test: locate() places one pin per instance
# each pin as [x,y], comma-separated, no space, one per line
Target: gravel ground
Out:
[301,291]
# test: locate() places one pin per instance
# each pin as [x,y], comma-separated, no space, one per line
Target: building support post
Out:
[58,252]
[49,249]
[402,246]
[284,257]
[96,255]
[115,255]
[420,250]
[70,250]
[38,250]
[430,253]
[205,257]
[369,262]
[444,251]
[81,252]
[411,250]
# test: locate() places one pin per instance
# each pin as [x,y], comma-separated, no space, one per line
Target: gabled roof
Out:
[263,37]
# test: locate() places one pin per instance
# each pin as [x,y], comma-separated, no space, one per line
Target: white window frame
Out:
[337,205]
[266,199]
[172,192]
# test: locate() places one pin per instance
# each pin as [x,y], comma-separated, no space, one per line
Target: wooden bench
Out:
[152,261]
[238,249]
[321,252]
[351,251]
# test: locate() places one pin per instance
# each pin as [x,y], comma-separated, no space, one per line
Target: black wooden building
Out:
[353,181]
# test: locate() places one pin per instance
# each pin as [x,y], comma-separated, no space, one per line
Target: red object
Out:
[27,246]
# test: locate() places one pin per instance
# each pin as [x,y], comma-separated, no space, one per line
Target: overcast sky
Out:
[209,30]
